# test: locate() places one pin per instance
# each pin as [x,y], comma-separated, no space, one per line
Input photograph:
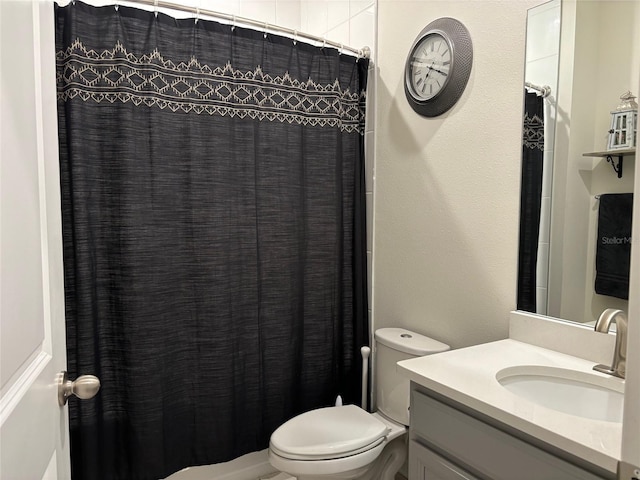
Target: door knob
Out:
[84,387]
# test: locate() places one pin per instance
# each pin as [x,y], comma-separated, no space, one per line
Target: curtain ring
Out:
[295,37]
[340,51]
[324,42]
[116,6]
[155,8]
[233,23]
[266,26]
[197,14]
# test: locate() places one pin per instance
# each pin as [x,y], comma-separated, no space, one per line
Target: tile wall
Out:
[543,50]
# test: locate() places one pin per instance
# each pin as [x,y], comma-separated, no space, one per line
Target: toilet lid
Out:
[328,433]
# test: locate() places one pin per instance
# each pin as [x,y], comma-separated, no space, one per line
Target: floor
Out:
[278,476]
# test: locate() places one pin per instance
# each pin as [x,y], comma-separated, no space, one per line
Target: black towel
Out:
[613,253]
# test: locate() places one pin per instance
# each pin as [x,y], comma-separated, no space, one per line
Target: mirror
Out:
[588,54]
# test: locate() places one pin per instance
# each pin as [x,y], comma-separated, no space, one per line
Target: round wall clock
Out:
[438,67]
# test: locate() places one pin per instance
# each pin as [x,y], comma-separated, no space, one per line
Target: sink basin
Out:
[568,391]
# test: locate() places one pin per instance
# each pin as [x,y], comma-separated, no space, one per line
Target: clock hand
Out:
[428,72]
[439,71]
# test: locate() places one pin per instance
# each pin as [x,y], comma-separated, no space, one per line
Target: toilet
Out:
[347,442]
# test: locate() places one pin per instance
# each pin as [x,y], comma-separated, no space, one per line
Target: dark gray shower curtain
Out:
[214,237]
[530,200]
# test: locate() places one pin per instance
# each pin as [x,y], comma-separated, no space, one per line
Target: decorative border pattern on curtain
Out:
[214,239]
[533,129]
[118,75]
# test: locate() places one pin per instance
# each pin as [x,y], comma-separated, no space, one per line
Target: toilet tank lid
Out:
[409,342]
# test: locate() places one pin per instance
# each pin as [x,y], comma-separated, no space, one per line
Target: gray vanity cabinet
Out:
[424,464]
[448,444]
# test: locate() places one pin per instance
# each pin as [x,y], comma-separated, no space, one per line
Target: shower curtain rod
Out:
[364,52]
[544,90]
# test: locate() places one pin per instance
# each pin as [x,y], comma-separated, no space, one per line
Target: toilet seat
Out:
[328,433]
[332,456]
[326,467]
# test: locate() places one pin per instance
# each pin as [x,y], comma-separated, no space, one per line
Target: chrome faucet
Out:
[618,365]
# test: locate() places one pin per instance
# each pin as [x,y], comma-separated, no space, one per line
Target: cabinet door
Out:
[427,465]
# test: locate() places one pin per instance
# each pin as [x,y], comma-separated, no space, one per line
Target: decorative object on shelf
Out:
[438,67]
[624,124]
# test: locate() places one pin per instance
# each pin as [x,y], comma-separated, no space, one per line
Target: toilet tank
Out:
[392,389]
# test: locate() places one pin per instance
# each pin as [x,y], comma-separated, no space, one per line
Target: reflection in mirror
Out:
[574,245]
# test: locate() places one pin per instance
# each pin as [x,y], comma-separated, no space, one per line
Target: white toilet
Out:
[347,442]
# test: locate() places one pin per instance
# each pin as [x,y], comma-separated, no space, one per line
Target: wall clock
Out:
[438,67]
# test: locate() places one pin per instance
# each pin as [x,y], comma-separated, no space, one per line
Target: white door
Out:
[34,440]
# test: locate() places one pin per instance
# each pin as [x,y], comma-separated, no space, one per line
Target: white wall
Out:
[543,54]
[447,188]
[617,22]
[631,427]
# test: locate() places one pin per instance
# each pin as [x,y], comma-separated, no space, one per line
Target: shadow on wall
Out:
[416,201]
[400,128]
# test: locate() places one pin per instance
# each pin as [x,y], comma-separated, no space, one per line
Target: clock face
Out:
[438,67]
[430,65]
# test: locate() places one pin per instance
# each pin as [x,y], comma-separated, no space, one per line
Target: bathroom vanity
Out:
[469,422]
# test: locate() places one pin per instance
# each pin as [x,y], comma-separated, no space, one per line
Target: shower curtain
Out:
[213,221]
[530,199]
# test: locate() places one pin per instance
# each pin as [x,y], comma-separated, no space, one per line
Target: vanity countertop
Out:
[468,376]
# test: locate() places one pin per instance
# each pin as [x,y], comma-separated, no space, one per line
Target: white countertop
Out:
[468,376]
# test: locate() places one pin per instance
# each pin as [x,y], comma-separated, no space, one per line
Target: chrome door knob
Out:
[84,387]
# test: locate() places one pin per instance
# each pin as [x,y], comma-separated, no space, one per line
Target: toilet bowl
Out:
[334,442]
[346,442]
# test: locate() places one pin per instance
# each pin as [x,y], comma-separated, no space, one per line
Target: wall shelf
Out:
[610,154]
